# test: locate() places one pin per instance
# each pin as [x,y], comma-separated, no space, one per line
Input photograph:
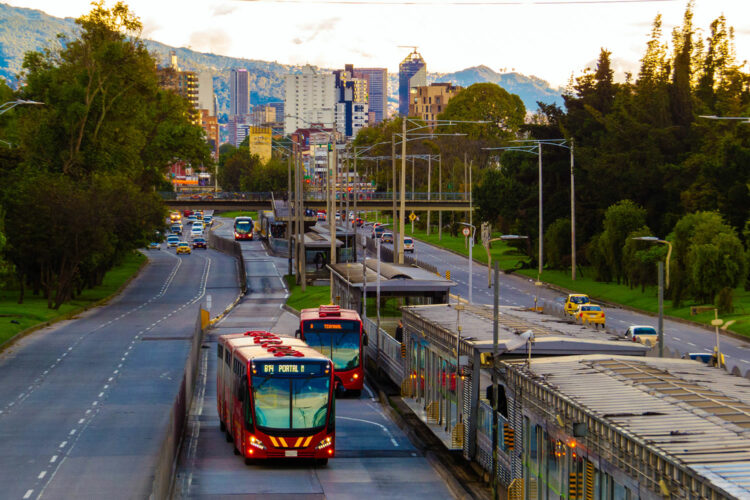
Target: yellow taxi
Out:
[590,314]
[175,217]
[646,335]
[575,300]
[183,247]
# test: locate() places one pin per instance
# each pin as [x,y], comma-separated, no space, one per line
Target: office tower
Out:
[412,72]
[351,102]
[211,128]
[239,92]
[377,91]
[308,100]
[429,101]
[279,107]
[206,92]
[262,115]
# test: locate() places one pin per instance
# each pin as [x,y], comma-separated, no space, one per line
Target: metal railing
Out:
[313,194]
[390,350]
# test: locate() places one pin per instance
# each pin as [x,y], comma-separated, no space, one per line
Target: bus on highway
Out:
[243,228]
[337,333]
[275,397]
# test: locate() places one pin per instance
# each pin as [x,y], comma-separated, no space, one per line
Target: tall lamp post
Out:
[486,242]
[471,228]
[660,329]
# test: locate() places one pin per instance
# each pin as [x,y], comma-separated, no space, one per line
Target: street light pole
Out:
[541,226]
[402,222]
[395,212]
[572,214]
[495,391]
[332,224]
[471,258]
[429,188]
[289,210]
[661,266]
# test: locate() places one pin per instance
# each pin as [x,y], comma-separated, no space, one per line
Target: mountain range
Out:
[23,30]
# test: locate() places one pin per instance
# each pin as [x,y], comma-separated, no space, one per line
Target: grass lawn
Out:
[34,309]
[312,297]
[238,213]
[611,292]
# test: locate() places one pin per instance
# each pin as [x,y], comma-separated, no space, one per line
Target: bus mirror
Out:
[364,339]
[297,333]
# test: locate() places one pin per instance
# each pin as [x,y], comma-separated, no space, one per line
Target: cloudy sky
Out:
[551,39]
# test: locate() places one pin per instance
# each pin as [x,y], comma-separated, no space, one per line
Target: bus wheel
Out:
[249,461]
[321,462]
[228,437]
[222,426]
[236,451]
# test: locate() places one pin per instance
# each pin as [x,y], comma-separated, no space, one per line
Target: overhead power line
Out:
[457,3]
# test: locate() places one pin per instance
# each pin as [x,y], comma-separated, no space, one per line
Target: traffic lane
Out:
[520,291]
[72,395]
[373,457]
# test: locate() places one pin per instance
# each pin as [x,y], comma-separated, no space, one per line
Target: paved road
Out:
[84,404]
[373,457]
[518,290]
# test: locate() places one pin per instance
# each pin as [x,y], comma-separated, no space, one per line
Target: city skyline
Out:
[500,35]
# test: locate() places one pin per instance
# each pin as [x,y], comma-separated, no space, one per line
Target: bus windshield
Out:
[339,340]
[290,403]
[243,227]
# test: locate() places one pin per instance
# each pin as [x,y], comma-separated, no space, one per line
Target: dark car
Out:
[187,212]
[199,243]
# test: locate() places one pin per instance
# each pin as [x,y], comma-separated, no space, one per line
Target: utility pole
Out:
[440,196]
[333,215]
[541,226]
[356,188]
[466,240]
[301,226]
[289,199]
[495,395]
[395,212]
[402,222]
[572,214]
[429,187]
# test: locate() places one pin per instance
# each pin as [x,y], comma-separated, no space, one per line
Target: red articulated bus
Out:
[243,228]
[337,333]
[274,396]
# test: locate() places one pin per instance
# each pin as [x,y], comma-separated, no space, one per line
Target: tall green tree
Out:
[489,102]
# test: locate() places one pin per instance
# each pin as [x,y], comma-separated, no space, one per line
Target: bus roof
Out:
[268,346]
[329,312]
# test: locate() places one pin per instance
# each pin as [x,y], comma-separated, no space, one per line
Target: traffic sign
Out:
[412,216]
[466,231]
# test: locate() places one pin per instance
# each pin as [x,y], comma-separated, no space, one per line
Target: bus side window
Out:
[219,351]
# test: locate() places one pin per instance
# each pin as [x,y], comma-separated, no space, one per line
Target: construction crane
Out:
[414,47]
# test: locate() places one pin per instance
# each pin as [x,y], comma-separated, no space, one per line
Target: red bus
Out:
[274,396]
[243,228]
[337,333]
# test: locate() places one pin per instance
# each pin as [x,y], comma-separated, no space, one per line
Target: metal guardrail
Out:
[390,360]
[311,195]
[233,248]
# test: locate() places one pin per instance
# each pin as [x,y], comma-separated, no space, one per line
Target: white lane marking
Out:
[42,474]
[101,394]
[369,391]
[72,432]
[53,459]
[28,494]
[88,411]
[690,343]
[106,386]
[62,445]
[383,427]
[81,421]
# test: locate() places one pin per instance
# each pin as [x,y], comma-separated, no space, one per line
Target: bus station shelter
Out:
[352,281]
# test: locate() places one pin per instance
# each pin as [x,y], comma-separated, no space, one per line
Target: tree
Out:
[557,244]
[485,102]
[620,220]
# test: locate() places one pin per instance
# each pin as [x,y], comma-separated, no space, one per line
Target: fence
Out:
[389,357]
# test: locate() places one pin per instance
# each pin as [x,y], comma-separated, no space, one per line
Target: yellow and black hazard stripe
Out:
[300,442]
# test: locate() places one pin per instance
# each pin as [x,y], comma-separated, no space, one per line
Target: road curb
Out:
[707,328]
[23,333]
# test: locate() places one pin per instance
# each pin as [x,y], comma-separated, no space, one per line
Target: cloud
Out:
[224,9]
[215,41]
[315,29]
[150,26]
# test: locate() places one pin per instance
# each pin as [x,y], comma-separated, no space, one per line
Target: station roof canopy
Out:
[393,277]
[693,417]
[552,335]
[314,240]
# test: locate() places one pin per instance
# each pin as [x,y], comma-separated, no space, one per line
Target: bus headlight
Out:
[253,441]
[324,444]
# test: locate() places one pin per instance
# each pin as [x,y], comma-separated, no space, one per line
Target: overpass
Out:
[262,201]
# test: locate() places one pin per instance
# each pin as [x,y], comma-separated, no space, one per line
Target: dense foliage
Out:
[79,191]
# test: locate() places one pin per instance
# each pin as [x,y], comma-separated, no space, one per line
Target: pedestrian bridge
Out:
[419,201]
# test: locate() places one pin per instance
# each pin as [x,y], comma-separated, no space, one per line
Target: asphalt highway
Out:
[373,458]
[84,403]
[521,291]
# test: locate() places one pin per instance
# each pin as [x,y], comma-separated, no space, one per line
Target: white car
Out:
[172,240]
[196,231]
[408,245]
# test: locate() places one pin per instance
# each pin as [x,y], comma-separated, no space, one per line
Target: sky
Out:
[551,39]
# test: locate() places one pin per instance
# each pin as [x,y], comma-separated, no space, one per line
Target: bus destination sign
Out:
[290,369]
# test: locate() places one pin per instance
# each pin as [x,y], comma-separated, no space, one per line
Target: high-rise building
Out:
[351,102]
[184,83]
[279,107]
[429,101]
[412,72]
[237,129]
[309,99]
[206,92]
[377,91]
[210,126]
[239,92]
[262,115]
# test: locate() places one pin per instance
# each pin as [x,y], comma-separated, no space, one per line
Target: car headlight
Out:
[257,443]
[325,443]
